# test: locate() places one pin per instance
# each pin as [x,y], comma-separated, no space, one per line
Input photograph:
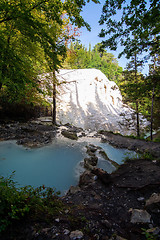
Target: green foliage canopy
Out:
[135,18]
[79,57]
[32,38]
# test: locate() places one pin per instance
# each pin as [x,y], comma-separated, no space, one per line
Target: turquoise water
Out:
[56,165]
[52,166]
[115,154]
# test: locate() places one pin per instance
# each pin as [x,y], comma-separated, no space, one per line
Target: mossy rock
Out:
[68,134]
[91,149]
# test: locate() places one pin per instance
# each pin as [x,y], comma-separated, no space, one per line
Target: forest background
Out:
[40,36]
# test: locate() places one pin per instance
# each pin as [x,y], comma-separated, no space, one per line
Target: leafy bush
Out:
[18,203]
[149,235]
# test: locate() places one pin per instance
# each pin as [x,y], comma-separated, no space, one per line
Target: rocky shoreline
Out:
[37,134]
[121,205]
[137,145]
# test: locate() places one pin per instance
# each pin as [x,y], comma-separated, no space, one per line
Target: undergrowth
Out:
[142,137]
[149,234]
[17,203]
[142,156]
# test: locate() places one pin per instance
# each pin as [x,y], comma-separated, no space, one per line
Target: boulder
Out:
[91,161]
[91,149]
[76,235]
[153,203]
[140,216]
[154,198]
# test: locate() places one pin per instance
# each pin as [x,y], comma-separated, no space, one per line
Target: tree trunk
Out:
[137,114]
[54,99]
[154,67]
[152,114]
[137,108]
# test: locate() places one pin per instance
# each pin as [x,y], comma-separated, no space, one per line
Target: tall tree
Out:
[132,87]
[137,78]
[136,18]
[154,77]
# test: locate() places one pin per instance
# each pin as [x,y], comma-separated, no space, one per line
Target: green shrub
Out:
[156,139]
[18,203]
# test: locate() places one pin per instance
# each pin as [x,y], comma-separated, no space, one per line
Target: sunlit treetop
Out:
[33,37]
[41,21]
[126,21]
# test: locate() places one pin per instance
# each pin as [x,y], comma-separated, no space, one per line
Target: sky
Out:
[91,14]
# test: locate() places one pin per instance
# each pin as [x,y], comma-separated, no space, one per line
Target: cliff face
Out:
[87,99]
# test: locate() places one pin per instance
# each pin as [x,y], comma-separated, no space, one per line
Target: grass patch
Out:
[143,156]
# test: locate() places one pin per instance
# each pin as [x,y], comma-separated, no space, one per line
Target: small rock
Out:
[140,199]
[54,229]
[54,236]
[95,178]
[76,235]
[66,211]
[92,148]
[57,220]
[68,134]
[106,223]
[154,161]
[66,232]
[45,230]
[140,216]
[36,234]
[96,236]
[153,203]
[155,198]
[150,225]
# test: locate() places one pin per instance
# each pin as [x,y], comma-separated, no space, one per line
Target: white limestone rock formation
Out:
[87,99]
